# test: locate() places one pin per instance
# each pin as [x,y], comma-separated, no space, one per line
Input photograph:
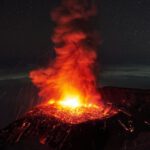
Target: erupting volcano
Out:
[68,85]
[74,114]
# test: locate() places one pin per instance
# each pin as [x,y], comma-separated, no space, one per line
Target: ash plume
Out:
[75,43]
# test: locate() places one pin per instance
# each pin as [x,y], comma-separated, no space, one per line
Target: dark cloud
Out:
[126,76]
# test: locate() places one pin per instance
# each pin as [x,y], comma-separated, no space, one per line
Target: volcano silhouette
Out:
[38,131]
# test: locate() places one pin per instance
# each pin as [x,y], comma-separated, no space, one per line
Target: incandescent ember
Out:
[76,115]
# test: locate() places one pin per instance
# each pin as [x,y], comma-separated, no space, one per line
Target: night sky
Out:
[26,28]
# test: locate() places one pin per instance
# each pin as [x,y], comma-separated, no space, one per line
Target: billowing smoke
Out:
[76,42]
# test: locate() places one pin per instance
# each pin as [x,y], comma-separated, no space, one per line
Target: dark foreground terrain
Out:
[129,130]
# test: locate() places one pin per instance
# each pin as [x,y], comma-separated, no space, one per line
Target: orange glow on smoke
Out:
[69,84]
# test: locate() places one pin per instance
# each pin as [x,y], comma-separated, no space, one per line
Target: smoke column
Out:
[75,43]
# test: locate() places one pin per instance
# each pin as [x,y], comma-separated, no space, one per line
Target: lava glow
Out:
[75,113]
[71,102]
[68,85]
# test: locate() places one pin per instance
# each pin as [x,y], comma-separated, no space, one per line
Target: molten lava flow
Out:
[68,86]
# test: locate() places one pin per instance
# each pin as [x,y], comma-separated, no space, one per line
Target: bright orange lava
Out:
[72,101]
[74,112]
[72,104]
